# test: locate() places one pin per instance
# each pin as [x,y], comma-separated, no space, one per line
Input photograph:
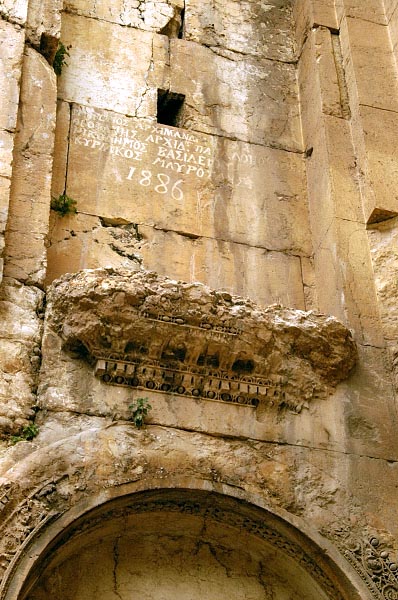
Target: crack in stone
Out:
[115,567]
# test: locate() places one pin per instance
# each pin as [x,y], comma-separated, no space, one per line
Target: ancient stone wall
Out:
[199,208]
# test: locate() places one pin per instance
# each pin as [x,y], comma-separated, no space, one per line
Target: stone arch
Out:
[60,508]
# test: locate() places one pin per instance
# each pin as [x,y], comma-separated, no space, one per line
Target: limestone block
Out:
[12,40]
[31,183]
[44,16]
[380,129]
[383,240]
[187,182]
[331,73]
[333,189]
[83,241]
[14,10]
[20,335]
[370,51]
[343,170]
[393,30]
[347,292]
[390,7]
[369,412]
[314,13]
[61,147]
[227,265]
[310,91]
[371,10]
[322,83]
[6,153]
[309,283]
[4,201]
[254,100]
[372,127]
[264,30]
[105,70]
[160,16]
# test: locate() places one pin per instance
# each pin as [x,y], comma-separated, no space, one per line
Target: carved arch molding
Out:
[142,330]
[315,573]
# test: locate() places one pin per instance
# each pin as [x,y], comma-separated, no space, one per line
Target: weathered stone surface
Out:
[44,17]
[358,300]
[183,181]
[222,110]
[14,10]
[256,28]
[218,195]
[178,562]
[380,129]
[6,153]
[160,458]
[299,351]
[11,52]
[160,16]
[93,77]
[372,11]
[61,149]
[30,194]
[86,242]
[20,335]
[333,174]
[92,71]
[370,52]
[310,14]
[390,7]
[4,200]
[383,243]
[393,24]
[11,49]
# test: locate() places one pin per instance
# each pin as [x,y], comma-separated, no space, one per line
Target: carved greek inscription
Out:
[152,156]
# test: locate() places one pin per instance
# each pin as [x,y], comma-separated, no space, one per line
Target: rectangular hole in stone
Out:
[170,108]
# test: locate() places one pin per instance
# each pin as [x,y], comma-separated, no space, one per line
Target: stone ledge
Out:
[148,331]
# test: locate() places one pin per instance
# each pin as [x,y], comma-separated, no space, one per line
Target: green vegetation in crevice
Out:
[64,205]
[140,409]
[60,58]
[27,433]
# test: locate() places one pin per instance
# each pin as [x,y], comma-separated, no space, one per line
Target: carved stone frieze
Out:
[147,331]
[372,560]
[224,513]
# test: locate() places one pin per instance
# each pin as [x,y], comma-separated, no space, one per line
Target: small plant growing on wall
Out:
[140,408]
[60,58]
[26,434]
[64,205]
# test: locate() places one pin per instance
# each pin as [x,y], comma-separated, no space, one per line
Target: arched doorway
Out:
[179,543]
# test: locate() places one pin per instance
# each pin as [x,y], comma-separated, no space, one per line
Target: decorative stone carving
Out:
[371,560]
[209,508]
[151,332]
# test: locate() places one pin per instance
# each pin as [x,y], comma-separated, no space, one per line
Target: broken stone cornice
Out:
[145,319]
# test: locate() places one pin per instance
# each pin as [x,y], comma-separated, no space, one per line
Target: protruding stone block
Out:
[184,339]
[11,50]
[31,183]
[20,335]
